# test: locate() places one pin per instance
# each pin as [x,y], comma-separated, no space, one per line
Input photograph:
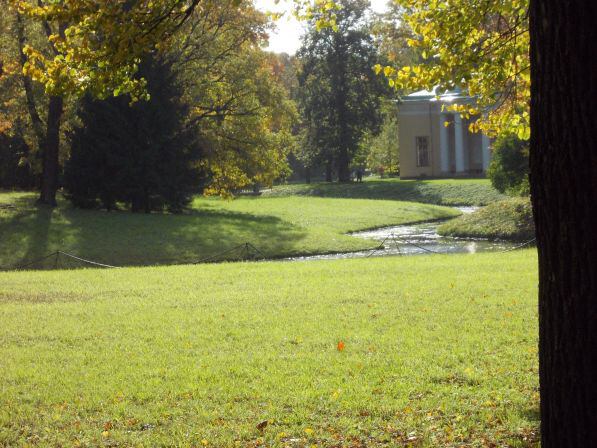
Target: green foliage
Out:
[339,92]
[15,168]
[510,219]
[392,35]
[279,227]
[381,149]
[81,62]
[439,351]
[478,45]
[239,103]
[509,167]
[143,155]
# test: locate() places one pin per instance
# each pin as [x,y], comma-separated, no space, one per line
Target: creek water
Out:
[417,239]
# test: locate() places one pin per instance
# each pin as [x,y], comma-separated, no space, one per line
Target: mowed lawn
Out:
[278,227]
[432,191]
[438,351]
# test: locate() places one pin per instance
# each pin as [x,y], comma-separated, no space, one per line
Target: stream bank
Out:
[417,239]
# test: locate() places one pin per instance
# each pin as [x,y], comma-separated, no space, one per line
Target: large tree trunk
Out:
[564,194]
[343,165]
[328,171]
[51,164]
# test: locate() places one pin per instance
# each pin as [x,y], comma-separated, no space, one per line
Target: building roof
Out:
[432,95]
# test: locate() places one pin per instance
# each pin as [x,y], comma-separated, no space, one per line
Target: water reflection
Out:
[416,239]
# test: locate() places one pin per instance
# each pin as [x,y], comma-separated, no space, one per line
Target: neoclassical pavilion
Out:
[429,147]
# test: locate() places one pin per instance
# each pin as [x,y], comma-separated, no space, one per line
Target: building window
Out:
[422,145]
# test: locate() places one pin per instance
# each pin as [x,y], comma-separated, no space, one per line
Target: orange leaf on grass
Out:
[340,346]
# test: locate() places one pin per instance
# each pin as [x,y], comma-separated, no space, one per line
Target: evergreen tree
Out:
[143,155]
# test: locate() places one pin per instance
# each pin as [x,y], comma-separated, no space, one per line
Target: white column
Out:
[443,144]
[458,144]
[486,151]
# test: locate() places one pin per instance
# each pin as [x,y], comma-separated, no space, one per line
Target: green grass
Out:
[279,227]
[510,219]
[440,351]
[440,191]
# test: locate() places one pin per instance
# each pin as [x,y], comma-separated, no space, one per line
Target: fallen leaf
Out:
[340,346]
[261,426]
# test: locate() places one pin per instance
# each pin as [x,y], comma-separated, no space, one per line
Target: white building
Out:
[430,148]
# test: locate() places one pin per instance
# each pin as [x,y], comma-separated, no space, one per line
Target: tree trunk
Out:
[49,179]
[328,171]
[308,174]
[564,194]
[36,122]
[343,166]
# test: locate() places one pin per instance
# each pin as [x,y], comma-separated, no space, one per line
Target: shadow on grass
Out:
[122,238]
[455,192]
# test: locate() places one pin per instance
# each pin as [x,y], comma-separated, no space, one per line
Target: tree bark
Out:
[564,194]
[48,143]
[51,164]
[36,122]
[343,165]
[328,171]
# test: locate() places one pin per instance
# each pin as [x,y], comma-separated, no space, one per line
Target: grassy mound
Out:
[278,227]
[510,219]
[441,192]
[439,351]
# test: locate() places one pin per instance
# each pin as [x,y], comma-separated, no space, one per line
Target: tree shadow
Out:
[403,190]
[23,213]
[127,239]
[423,191]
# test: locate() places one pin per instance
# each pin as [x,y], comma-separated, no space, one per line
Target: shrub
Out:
[509,167]
[510,219]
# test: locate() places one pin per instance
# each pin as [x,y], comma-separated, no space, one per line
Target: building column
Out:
[458,144]
[486,152]
[443,145]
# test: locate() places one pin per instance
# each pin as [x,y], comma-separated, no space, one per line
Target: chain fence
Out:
[242,252]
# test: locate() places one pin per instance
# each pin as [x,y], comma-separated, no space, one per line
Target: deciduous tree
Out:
[340,94]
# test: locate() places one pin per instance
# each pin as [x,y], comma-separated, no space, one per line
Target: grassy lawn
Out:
[440,351]
[439,191]
[510,219]
[278,226]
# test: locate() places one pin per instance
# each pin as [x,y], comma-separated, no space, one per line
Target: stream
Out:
[417,239]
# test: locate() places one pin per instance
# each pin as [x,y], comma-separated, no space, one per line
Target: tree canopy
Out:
[340,94]
[97,46]
[53,53]
[480,46]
